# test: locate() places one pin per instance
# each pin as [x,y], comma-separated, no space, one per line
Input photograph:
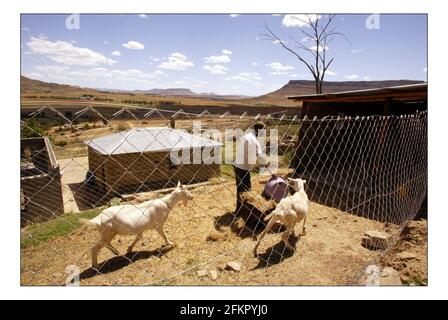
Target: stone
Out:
[213,274]
[214,236]
[201,273]
[406,255]
[390,277]
[234,266]
[375,240]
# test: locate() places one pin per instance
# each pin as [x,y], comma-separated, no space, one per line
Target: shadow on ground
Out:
[249,226]
[276,254]
[120,262]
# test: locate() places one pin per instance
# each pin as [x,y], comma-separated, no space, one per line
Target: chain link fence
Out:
[363,174]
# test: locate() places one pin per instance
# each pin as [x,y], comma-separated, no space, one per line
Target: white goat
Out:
[290,210]
[134,220]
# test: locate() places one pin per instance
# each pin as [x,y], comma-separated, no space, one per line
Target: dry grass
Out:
[207,236]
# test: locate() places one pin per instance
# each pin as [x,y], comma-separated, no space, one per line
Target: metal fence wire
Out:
[363,173]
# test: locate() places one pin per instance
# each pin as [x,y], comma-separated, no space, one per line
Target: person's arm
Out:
[261,156]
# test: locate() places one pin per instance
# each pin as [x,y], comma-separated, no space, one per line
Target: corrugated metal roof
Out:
[154,139]
[419,87]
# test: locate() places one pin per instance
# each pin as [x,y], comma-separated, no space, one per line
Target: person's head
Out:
[258,126]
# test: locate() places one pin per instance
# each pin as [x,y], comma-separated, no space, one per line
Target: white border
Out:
[438,109]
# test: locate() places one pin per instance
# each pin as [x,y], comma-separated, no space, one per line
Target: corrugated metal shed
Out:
[405,92]
[155,139]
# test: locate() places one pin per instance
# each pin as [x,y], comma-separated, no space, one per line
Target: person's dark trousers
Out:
[243,184]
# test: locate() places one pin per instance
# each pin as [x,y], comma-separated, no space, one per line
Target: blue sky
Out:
[212,53]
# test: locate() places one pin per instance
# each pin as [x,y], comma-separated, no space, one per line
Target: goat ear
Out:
[178,183]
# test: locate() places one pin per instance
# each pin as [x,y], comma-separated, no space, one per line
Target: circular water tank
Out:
[276,188]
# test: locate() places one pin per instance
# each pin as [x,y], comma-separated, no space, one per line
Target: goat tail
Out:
[87,222]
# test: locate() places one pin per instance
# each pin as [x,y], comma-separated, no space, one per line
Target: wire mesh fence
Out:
[121,168]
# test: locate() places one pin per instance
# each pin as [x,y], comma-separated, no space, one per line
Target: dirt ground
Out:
[207,237]
[410,255]
[73,171]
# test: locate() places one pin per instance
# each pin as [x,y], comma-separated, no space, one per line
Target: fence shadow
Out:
[120,262]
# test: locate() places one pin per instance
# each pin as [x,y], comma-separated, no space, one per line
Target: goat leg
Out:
[285,238]
[112,249]
[165,238]
[95,249]
[303,228]
[268,228]
[137,239]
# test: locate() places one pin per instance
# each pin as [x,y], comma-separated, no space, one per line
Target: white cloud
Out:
[299,20]
[180,83]
[216,69]
[26,29]
[366,78]
[143,16]
[246,77]
[357,51]
[134,45]
[199,84]
[52,69]
[217,59]
[116,53]
[279,41]
[321,48]
[73,41]
[226,51]
[352,77]
[255,64]
[330,73]
[425,69]
[66,53]
[176,61]
[34,75]
[278,68]
[154,59]
[106,42]
[115,77]
[234,15]
[305,75]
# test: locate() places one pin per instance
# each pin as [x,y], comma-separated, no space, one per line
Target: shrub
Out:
[122,126]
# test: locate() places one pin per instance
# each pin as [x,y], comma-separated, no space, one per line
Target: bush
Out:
[122,126]
[32,128]
[61,143]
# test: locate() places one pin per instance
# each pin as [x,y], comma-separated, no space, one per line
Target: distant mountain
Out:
[184,92]
[303,87]
[30,88]
[166,92]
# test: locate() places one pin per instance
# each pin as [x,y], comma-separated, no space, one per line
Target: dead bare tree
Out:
[318,30]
